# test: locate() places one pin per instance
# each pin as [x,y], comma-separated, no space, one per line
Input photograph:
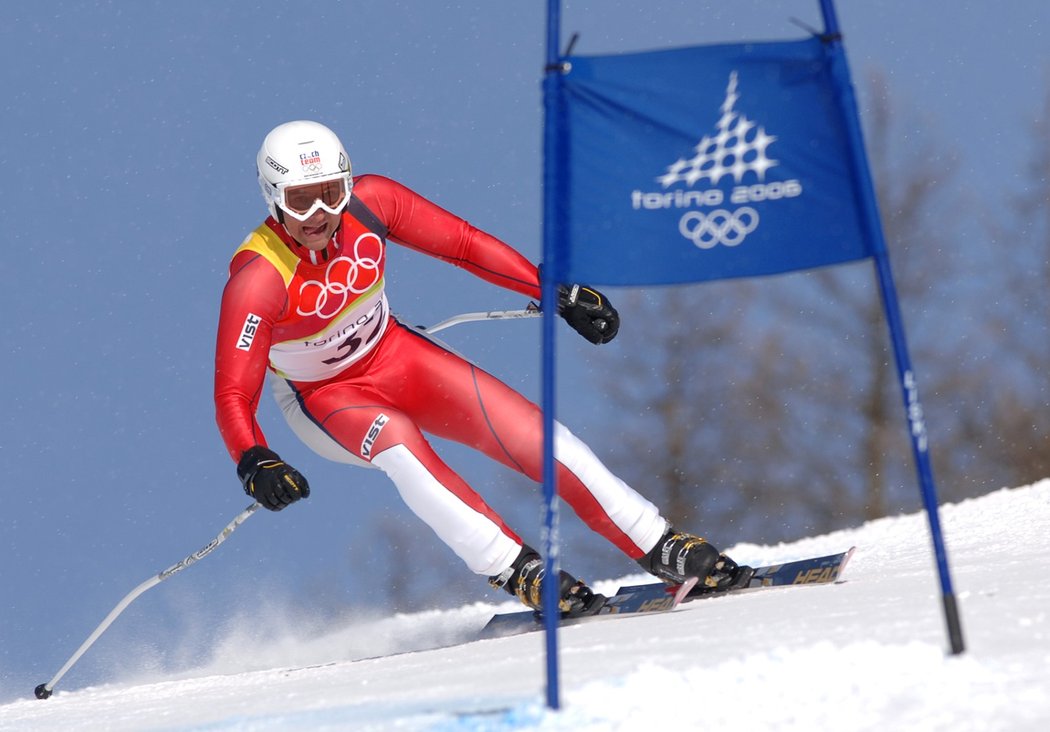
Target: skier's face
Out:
[315,232]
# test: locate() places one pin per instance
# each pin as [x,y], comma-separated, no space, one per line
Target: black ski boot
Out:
[524,580]
[678,557]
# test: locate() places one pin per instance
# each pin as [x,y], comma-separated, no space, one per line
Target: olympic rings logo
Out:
[718,227]
[362,273]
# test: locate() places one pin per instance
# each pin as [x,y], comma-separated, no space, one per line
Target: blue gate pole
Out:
[909,387]
[553,170]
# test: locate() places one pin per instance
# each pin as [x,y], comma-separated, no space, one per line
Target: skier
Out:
[305,301]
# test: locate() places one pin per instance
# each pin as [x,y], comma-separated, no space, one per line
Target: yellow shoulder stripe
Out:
[265,242]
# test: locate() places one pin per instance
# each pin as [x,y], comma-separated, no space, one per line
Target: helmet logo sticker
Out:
[310,162]
[276,166]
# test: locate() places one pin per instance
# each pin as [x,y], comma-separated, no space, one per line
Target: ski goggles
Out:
[301,201]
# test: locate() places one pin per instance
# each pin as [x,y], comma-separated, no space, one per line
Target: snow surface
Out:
[868,653]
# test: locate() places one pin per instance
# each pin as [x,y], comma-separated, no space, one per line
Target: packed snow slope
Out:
[866,654]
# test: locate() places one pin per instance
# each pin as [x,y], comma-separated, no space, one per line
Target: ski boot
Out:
[678,557]
[524,580]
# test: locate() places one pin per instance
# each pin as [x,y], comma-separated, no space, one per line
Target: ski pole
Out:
[531,311]
[43,691]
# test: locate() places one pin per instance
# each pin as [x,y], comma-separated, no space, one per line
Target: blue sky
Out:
[130,132]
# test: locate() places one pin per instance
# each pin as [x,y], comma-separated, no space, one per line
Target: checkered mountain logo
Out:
[738,147]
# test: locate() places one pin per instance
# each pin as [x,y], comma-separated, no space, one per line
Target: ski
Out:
[661,597]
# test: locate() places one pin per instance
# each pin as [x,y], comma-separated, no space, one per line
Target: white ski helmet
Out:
[301,153]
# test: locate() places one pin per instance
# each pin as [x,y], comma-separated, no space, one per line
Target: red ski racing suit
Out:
[359,387]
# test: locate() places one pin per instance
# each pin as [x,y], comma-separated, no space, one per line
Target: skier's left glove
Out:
[589,313]
[269,480]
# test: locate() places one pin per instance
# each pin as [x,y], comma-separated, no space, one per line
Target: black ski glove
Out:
[270,481]
[588,312]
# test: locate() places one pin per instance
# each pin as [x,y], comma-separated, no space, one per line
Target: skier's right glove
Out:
[269,480]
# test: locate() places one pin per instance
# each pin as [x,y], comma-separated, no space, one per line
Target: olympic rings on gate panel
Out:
[707,230]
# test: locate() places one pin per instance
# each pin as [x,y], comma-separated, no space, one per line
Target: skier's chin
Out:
[315,232]
[315,237]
